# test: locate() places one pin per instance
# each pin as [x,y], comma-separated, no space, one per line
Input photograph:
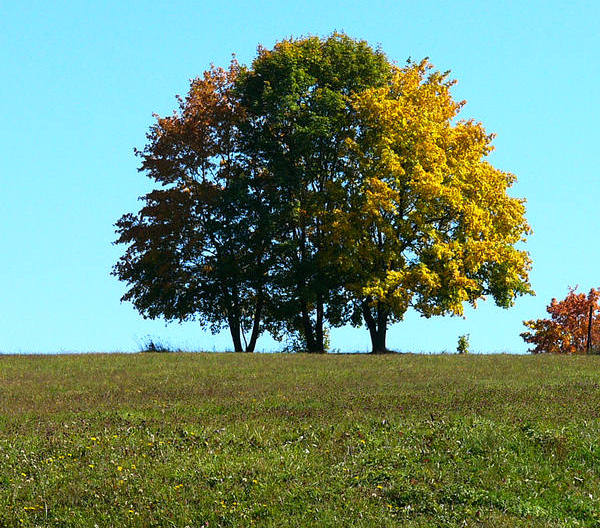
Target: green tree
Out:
[300,119]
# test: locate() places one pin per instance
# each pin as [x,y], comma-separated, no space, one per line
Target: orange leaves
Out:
[191,142]
[566,331]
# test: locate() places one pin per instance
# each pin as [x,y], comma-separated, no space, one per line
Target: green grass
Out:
[295,440]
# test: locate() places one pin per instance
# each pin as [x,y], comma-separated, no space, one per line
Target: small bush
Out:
[463,344]
[155,345]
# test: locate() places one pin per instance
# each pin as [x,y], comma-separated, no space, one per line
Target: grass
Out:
[209,440]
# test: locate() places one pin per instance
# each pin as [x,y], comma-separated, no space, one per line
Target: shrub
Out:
[463,344]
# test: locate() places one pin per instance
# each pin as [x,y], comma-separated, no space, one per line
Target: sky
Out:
[79,82]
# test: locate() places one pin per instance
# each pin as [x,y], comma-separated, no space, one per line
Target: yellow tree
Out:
[428,223]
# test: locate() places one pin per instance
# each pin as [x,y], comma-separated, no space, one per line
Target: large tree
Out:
[199,247]
[319,186]
[300,119]
[429,224]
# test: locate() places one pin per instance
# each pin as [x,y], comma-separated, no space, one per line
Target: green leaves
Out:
[299,121]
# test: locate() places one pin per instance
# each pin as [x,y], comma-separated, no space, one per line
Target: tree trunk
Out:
[377,326]
[308,328]
[255,324]
[234,329]
[313,332]
[378,344]
[319,334]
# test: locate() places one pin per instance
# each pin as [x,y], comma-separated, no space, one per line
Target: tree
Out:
[567,331]
[298,99]
[428,223]
[319,186]
[199,248]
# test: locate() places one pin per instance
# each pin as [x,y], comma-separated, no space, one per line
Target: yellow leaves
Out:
[438,224]
[412,102]
[380,198]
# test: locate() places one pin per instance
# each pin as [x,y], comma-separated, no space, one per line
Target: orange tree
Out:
[566,331]
[199,247]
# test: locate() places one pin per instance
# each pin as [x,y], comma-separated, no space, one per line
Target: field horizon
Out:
[334,352]
[230,439]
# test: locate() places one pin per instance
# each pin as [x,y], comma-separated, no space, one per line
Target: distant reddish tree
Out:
[566,332]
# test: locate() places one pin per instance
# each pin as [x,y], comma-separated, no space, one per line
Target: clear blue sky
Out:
[79,82]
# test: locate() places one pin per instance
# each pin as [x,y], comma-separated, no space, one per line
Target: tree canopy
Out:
[430,225]
[321,185]
[198,248]
[573,326]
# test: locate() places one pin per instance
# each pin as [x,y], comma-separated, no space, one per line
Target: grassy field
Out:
[208,440]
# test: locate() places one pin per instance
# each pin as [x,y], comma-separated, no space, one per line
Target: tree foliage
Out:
[430,224]
[198,248]
[566,331]
[300,120]
[321,185]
